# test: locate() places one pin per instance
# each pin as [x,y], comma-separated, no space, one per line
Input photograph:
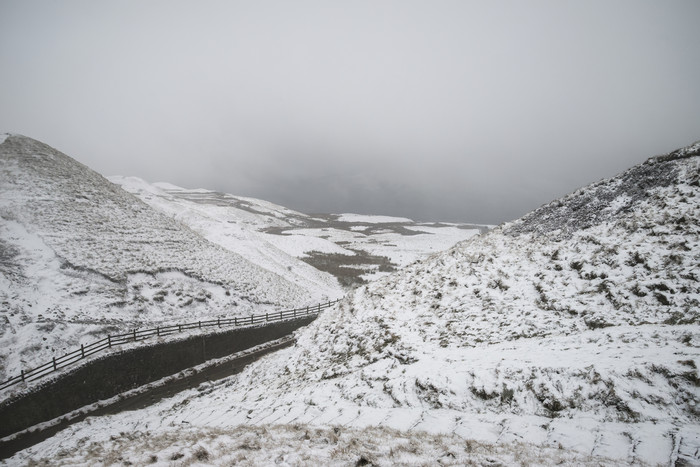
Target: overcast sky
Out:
[475,111]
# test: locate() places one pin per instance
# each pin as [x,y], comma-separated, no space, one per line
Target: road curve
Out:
[141,399]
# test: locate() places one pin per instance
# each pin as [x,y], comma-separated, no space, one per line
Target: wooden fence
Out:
[135,335]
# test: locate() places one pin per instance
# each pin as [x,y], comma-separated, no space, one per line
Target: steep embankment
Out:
[80,257]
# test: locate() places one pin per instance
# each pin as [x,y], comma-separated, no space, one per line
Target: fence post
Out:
[109,341]
[266,318]
[82,351]
[54,364]
[251,319]
[218,322]
[134,335]
[179,328]
[158,331]
[200,324]
[235,321]
[280,315]
[295,312]
[22,375]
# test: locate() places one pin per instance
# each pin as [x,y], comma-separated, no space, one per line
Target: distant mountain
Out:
[80,255]
[575,326]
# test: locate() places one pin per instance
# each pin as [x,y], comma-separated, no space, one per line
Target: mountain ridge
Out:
[657,171]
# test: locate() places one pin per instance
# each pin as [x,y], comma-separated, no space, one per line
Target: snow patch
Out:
[371,219]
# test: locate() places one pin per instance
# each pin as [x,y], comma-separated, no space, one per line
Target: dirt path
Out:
[141,399]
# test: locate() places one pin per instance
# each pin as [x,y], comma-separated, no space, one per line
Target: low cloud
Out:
[456,111]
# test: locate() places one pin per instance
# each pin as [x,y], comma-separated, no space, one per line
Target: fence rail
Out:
[135,335]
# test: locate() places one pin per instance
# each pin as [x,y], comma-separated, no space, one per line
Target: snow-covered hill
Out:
[354,248]
[79,256]
[220,222]
[575,327]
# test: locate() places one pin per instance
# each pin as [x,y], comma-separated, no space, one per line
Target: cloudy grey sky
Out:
[475,111]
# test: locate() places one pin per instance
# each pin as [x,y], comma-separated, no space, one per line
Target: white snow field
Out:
[80,258]
[569,336]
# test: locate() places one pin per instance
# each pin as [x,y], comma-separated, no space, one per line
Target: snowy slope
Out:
[574,328]
[80,256]
[236,230]
[355,248]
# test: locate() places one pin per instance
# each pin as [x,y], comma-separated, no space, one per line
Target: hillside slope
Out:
[354,248]
[215,217]
[80,256]
[573,327]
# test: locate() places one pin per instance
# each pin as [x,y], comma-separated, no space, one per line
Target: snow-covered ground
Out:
[601,393]
[235,230]
[80,258]
[573,331]
[264,232]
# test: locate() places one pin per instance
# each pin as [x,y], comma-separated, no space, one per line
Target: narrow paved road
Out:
[142,399]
